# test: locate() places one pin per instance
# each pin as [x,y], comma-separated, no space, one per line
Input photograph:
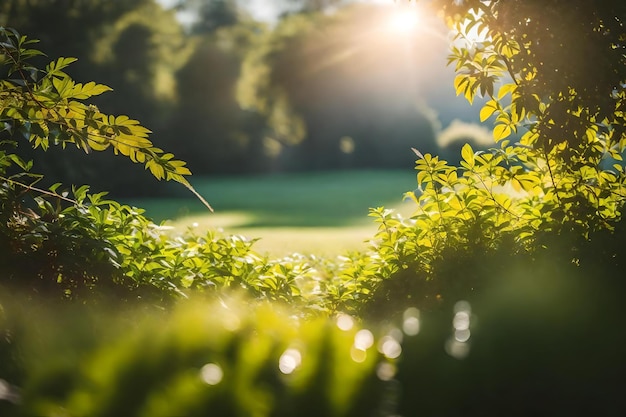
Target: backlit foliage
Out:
[46,107]
[561,178]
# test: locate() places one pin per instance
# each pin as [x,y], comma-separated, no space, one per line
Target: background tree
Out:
[210,15]
[320,78]
[208,128]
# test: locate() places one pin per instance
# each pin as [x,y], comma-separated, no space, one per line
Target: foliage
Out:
[211,15]
[303,67]
[208,129]
[235,356]
[509,197]
[46,106]
[557,182]
[73,244]
[571,78]
[135,47]
[232,357]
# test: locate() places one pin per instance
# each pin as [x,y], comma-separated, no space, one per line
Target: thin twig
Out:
[40,190]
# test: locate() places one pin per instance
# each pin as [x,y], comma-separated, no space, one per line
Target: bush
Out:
[232,357]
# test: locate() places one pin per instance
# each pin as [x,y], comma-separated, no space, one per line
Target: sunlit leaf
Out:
[501,131]
[467,153]
[488,109]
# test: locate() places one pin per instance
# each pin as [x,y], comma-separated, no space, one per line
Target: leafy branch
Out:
[47,105]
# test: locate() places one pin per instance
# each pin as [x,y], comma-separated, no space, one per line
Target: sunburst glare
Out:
[404,20]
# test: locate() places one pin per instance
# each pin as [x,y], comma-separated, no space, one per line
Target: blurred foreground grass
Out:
[320,213]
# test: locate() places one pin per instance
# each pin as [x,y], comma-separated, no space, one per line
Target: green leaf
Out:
[501,131]
[55,67]
[62,85]
[488,109]
[506,89]
[88,90]
[460,84]
[467,153]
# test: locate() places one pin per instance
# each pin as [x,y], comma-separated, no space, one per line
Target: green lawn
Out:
[321,213]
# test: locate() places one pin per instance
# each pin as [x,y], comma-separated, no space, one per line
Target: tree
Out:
[319,79]
[210,15]
[69,244]
[208,128]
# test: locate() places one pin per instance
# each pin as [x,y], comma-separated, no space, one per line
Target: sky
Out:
[262,10]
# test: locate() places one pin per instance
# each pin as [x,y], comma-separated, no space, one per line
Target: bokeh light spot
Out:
[363,339]
[462,335]
[211,374]
[456,349]
[462,306]
[289,361]
[411,321]
[385,371]
[358,355]
[4,389]
[396,334]
[231,322]
[461,321]
[345,322]
[346,145]
[390,347]
[411,326]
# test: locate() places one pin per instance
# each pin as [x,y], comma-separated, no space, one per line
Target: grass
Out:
[320,213]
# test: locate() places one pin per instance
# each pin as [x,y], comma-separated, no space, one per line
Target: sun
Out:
[404,19]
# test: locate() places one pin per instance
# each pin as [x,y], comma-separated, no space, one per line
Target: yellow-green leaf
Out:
[467,153]
[488,109]
[156,169]
[501,131]
[459,82]
[88,90]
